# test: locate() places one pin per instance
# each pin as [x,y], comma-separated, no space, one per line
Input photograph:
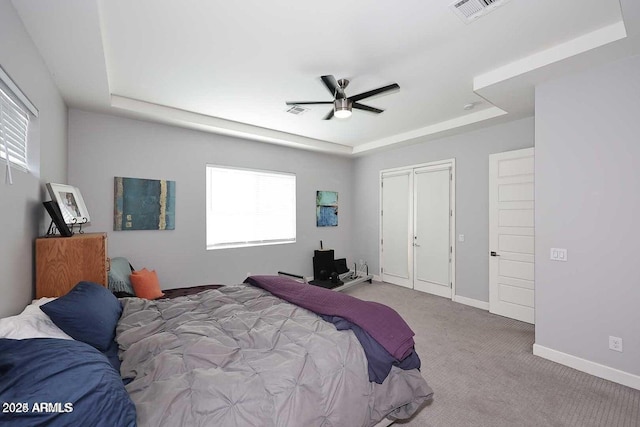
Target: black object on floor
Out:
[328,284]
[323,264]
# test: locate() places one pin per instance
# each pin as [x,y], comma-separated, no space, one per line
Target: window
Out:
[15,113]
[249,207]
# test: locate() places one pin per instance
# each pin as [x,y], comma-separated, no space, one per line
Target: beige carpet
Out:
[483,372]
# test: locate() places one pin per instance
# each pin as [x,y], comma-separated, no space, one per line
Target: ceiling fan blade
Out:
[331,84]
[329,116]
[366,108]
[309,102]
[374,92]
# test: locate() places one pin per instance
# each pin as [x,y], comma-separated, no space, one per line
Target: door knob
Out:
[416,245]
[494,254]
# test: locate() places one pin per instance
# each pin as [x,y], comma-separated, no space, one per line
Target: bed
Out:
[231,356]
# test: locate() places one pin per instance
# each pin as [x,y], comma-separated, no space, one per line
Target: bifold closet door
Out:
[432,237]
[396,228]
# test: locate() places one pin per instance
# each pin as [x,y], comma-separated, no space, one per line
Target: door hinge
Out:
[381,241]
[381,270]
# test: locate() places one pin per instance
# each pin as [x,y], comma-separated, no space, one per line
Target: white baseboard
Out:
[377,278]
[472,302]
[593,368]
[483,305]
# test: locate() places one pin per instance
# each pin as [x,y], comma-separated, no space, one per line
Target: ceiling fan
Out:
[342,104]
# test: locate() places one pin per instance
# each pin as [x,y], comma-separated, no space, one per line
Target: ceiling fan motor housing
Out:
[342,104]
[342,85]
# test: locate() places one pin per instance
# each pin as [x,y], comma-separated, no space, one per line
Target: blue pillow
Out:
[58,382]
[88,313]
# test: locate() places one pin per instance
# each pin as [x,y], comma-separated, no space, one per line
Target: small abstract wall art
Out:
[326,208]
[144,204]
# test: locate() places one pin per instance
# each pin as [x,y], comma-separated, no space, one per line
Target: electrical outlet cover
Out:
[615,343]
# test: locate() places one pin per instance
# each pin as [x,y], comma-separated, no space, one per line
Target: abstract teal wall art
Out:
[326,208]
[144,204]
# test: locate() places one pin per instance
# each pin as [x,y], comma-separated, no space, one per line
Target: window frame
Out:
[16,114]
[243,243]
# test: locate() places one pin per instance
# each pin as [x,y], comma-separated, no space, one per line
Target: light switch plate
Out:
[558,254]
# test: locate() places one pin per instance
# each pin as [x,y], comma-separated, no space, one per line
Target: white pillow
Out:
[31,323]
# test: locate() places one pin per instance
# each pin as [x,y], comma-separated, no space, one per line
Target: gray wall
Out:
[22,215]
[103,146]
[471,151]
[588,201]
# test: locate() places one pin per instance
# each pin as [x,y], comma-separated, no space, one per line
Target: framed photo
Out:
[70,202]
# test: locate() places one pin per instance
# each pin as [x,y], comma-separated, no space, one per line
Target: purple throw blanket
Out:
[381,322]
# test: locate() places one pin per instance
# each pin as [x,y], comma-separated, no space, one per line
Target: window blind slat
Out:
[15,138]
[16,116]
[17,122]
[17,160]
[15,132]
[17,152]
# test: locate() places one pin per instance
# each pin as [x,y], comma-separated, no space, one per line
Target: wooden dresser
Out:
[62,262]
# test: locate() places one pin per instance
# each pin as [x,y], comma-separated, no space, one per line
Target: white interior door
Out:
[432,237]
[511,234]
[417,249]
[396,228]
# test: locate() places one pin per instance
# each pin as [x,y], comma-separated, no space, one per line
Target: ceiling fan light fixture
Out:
[342,108]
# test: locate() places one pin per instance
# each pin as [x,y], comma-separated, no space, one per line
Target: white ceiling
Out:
[228,67]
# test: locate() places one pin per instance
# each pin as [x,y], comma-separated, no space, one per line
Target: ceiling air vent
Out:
[470,10]
[297,110]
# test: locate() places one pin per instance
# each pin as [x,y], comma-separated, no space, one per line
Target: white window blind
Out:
[249,207]
[14,123]
[15,111]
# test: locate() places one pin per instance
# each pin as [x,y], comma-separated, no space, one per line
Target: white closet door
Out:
[432,236]
[396,232]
